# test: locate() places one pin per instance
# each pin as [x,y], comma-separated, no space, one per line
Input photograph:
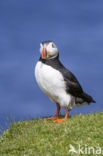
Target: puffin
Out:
[57,82]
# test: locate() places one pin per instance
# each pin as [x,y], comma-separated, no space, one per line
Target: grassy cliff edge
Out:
[40,138]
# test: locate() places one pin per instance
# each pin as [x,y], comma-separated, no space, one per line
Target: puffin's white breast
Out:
[52,83]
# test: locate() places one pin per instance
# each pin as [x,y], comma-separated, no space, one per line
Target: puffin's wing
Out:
[72,85]
[74,88]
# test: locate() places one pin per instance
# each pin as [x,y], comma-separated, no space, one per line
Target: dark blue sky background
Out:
[77,29]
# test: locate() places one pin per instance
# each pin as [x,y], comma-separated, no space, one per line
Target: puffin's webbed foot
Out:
[50,118]
[64,119]
[56,116]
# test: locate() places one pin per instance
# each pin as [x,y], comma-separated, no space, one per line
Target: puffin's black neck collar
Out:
[49,60]
[54,63]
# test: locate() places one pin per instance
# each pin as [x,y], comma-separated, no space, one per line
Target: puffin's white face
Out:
[48,50]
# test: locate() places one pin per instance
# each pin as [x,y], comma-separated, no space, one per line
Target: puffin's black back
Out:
[73,86]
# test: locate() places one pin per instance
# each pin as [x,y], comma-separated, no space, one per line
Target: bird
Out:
[57,82]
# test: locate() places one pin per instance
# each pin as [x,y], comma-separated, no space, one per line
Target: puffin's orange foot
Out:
[54,117]
[64,119]
[50,118]
[59,120]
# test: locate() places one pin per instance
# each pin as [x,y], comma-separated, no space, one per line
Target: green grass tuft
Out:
[45,138]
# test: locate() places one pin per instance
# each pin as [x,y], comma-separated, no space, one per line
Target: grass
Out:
[44,138]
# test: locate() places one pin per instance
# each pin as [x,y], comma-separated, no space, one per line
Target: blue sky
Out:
[77,29]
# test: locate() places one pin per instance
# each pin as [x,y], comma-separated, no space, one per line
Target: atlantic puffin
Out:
[57,82]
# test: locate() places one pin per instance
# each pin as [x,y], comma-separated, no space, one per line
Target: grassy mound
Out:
[45,138]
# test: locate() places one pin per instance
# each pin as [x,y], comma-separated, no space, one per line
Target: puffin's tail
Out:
[87,98]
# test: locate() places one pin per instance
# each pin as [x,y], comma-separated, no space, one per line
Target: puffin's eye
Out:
[53,46]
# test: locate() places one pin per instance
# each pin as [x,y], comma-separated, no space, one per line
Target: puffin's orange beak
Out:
[44,53]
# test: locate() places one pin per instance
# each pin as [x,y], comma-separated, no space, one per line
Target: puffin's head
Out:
[48,50]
